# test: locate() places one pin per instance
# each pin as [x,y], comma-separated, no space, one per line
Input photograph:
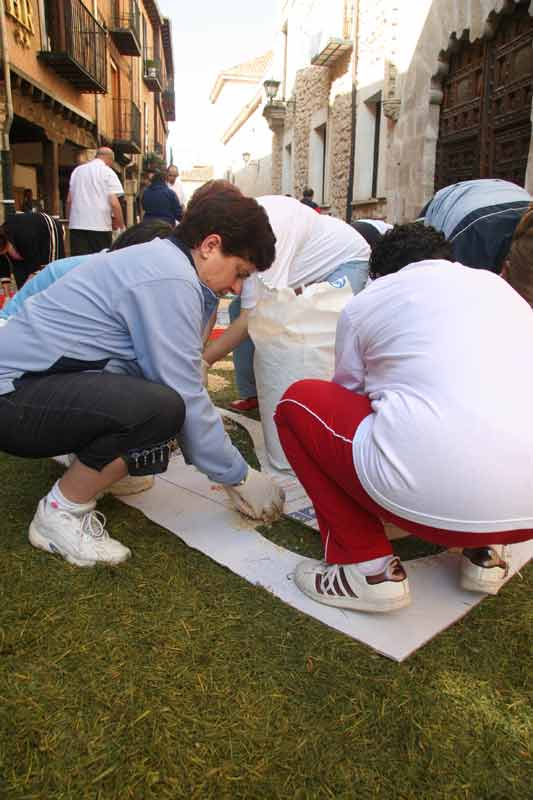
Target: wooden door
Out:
[485,126]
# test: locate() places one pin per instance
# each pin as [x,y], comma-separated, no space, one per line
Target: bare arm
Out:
[234,335]
[116,212]
[209,327]
[69,204]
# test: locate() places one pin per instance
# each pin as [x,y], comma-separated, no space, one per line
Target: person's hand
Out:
[205,372]
[258,497]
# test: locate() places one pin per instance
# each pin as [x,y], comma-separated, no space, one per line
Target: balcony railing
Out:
[77,46]
[169,101]
[125,27]
[152,74]
[127,126]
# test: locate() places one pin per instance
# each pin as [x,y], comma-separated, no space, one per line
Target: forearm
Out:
[233,336]
[208,328]
[116,213]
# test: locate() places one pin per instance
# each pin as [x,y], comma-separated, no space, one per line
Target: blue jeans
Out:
[243,355]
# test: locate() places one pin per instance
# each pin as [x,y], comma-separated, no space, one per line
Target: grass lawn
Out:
[171,678]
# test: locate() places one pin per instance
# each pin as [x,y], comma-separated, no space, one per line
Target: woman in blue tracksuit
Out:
[116,377]
[160,202]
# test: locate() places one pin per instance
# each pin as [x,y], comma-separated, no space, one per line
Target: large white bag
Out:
[294,337]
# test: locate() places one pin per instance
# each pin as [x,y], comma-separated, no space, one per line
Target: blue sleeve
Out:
[45,278]
[164,318]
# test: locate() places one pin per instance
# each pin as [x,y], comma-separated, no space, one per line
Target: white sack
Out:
[294,337]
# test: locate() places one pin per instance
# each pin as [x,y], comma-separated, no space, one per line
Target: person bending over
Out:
[29,242]
[141,232]
[309,249]
[117,375]
[478,217]
[426,424]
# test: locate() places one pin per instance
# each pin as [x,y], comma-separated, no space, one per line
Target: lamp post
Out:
[246,158]
[271,89]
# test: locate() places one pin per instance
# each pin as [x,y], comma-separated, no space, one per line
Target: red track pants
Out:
[316,422]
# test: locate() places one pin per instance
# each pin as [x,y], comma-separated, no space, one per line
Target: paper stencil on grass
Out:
[188,505]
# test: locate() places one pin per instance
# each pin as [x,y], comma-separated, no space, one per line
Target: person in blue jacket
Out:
[106,363]
[479,218]
[160,202]
[136,234]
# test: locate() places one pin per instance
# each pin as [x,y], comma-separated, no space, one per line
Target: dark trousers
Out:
[83,243]
[97,415]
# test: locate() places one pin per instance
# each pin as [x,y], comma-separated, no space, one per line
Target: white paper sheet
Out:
[184,502]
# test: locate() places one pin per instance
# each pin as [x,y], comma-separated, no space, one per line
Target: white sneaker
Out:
[342,585]
[79,540]
[484,569]
[131,484]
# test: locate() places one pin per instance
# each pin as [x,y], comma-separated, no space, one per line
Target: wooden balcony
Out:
[125,27]
[77,46]
[127,126]
[152,72]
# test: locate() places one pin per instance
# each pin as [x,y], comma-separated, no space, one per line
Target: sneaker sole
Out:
[129,490]
[358,604]
[42,543]
[481,585]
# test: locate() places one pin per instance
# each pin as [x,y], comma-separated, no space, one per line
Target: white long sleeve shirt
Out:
[444,354]
[309,247]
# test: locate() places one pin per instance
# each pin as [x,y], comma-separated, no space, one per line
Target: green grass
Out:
[173,678]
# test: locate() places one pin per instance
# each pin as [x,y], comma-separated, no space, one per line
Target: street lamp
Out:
[271,89]
[246,158]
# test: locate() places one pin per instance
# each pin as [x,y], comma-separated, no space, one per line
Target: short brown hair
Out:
[242,224]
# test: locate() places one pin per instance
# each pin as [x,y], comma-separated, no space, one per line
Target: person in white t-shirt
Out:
[426,424]
[310,248]
[93,207]
[174,183]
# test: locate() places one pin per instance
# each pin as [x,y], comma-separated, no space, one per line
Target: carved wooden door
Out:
[485,125]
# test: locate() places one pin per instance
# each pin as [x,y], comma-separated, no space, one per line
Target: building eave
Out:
[242,117]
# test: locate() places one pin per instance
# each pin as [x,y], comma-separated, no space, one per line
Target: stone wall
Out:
[411,162]
[340,134]
[311,91]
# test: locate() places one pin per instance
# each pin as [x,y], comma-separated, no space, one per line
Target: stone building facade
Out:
[380,102]
[446,66]
[77,74]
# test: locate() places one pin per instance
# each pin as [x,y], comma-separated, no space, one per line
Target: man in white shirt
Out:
[93,207]
[427,424]
[310,248]
[174,183]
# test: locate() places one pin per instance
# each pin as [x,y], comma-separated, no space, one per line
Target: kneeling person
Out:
[116,376]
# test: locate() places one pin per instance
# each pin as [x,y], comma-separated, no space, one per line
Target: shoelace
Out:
[93,525]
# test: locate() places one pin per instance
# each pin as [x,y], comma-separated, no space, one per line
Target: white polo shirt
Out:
[309,247]
[443,352]
[177,188]
[90,187]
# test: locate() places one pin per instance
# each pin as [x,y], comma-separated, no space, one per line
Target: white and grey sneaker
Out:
[79,540]
[131,484]
[484,569]
[342,585]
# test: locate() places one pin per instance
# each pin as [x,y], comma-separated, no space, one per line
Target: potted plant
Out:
[150,68]
[152,162]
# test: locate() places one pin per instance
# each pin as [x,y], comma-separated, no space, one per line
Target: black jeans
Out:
[83,243]
[97,415]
